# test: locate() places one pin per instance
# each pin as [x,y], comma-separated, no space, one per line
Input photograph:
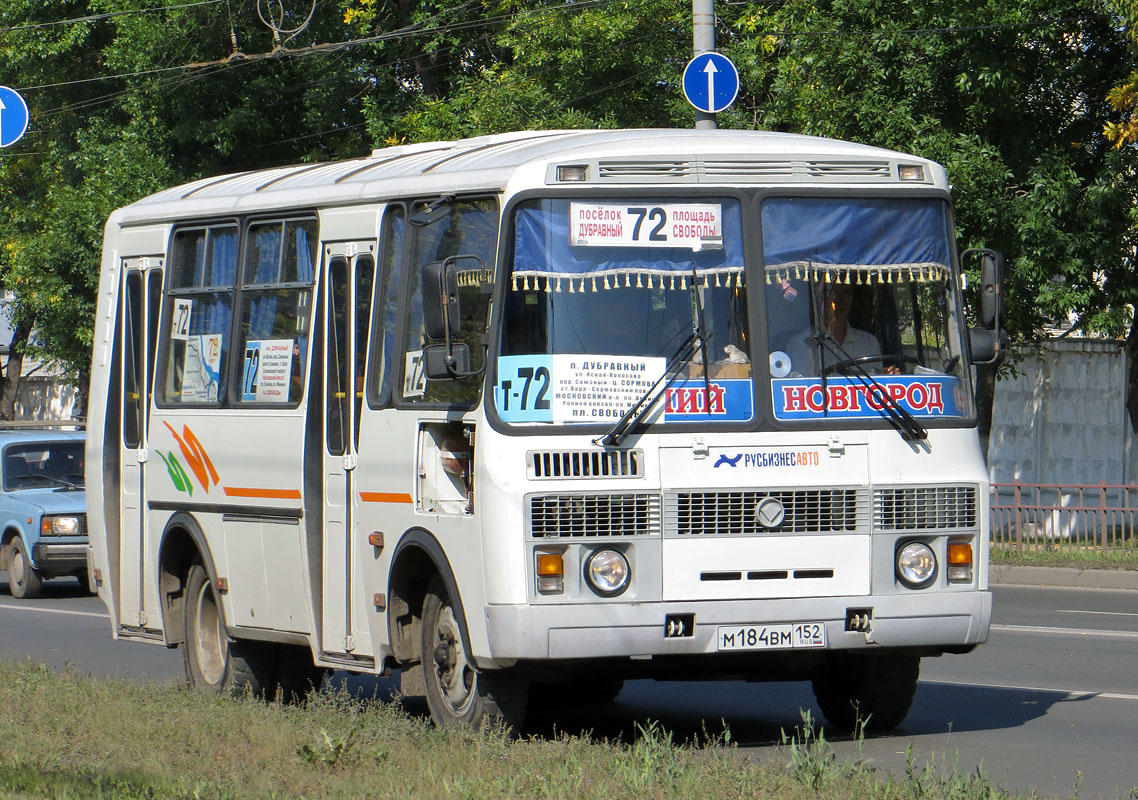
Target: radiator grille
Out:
[924,508]
[586,464]
[733,513]
[579,515]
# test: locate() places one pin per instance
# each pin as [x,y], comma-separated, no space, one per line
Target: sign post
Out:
[13,116]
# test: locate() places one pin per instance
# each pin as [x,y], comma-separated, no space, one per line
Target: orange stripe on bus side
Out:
[385,497]
[267,494]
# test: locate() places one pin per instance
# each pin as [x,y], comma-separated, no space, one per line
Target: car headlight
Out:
[607,572]
[60,526]
[916,565]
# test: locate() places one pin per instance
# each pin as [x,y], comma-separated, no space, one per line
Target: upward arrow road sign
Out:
[13,116]
[711,82]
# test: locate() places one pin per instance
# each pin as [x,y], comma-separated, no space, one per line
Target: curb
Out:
[1064,576]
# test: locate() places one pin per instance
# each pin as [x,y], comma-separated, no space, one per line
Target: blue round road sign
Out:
[711,82]
[13,116]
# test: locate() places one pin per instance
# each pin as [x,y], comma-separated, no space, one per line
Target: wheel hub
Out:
[454,674]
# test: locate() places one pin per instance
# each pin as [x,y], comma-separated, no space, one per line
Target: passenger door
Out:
[347,303]
[139,305]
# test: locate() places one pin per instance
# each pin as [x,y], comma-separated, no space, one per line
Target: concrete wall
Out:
[1062,418]
[41,398]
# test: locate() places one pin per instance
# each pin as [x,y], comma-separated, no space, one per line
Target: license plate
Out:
[771,637]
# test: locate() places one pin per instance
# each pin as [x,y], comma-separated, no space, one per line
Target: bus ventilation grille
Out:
[581,515]
[586,464]
[742,170]
[734,513]
[924,508]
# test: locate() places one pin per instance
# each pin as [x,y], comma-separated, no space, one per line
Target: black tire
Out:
[215,663]
[458,694]
[23,580]
[876,690]
[84,581]
[296,675]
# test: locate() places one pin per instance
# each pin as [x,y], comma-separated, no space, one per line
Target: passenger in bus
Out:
[803,346]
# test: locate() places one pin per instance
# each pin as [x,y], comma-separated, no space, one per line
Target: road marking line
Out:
[1065,631]
[1103,613]
[44,610]
[1070,694]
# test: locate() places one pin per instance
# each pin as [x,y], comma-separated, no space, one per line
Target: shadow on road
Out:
[756,714]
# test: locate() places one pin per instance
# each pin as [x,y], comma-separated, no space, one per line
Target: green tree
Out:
[125,102]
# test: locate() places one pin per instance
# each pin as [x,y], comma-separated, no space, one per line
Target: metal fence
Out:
[1045,516]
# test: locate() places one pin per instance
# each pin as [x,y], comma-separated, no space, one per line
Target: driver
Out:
[803,347]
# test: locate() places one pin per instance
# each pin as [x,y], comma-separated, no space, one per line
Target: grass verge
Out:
[1069,555]
[69,737]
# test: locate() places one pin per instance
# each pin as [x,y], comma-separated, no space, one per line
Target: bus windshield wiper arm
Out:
[899,417]
[682,357]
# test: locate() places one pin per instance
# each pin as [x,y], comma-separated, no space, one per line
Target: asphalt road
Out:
[1050,703]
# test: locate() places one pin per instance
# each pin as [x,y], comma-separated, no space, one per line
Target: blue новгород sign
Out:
[711,82]
[13,116]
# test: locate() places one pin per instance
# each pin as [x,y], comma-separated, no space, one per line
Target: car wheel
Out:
[216,663]
[457,692]
[296,675]
[23,580]
[873,690]
[84,581]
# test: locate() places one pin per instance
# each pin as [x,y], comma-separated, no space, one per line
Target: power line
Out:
[407,32]
[108,15]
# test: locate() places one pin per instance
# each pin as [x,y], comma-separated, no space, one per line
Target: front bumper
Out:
[933,622]
[59,557]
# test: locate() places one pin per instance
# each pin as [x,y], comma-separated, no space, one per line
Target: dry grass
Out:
[63,735]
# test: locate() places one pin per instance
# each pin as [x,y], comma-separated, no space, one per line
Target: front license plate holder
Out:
[785,636]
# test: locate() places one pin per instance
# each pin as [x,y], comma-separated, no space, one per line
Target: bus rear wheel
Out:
[873,690]
[215,662]
[457,692]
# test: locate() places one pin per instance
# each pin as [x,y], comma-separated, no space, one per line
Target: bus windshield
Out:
[861,304]
[602,297]
[862,314]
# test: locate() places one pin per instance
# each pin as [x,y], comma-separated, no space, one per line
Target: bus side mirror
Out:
[441,363]
[991,286]
[987,346]
[440,300]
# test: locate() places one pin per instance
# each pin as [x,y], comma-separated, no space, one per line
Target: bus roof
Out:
[615,157]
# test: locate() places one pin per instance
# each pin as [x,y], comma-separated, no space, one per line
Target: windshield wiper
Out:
[682,357]
[899,417]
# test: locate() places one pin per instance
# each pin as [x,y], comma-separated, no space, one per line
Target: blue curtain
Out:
[884,238]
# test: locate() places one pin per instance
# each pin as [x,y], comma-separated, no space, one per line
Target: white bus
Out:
[543,412]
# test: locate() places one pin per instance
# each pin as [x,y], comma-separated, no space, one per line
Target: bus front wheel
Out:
[23,580]
[215,662]
[873,690]
[457,692]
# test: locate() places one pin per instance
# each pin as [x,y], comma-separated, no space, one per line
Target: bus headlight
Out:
[916,565]
[607,572]
[59,526]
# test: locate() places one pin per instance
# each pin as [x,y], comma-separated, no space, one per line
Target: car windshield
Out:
[37,465]
[861,305]
[602,297]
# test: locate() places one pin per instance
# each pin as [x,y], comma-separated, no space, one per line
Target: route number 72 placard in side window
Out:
[645,225]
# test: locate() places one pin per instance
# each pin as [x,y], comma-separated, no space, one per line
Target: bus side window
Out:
[471,229]
[276,305]
[389,285]
[199,314]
